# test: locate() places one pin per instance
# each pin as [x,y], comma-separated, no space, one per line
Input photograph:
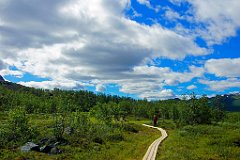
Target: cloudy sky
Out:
[155,49]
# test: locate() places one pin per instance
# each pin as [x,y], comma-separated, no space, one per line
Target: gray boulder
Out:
[30,146]
[44,141]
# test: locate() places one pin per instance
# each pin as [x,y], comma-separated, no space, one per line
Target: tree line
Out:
[74,108]
[190,110]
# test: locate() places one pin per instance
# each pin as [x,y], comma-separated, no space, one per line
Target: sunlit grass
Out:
[132,147]
[202,142]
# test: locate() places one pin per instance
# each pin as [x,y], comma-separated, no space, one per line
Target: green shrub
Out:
[166,124]
[80,123]
[59,126]
[17,129]
[18,126]
[99,131]
[201,130]
[4,136]
[116,136]
[102,112]
[130,127]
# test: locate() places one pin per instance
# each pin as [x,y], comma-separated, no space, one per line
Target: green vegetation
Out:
[94,141]
[84,125]
[216,142]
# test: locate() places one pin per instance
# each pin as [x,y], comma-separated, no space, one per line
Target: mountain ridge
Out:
[2,79]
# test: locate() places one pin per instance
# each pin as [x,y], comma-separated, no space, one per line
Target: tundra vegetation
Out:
[84,125]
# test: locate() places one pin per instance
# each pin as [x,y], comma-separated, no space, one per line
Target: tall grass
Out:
[97,141]
[213,142]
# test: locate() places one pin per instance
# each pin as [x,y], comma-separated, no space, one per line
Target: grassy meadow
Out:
[219,141]
[84,125]
[203,142]
[131,143]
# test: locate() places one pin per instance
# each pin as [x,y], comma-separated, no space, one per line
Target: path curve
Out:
[153,148]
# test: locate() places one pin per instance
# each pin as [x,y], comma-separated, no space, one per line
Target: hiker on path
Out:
[155,119]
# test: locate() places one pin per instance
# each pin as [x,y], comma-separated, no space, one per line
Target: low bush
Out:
[4,136]
[80,123]
[200,130]
[59,126]
[118,136]
[17,129]
[131,127]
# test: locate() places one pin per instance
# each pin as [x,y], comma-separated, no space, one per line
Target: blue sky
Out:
[139,48]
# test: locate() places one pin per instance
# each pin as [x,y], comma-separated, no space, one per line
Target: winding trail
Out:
[153,148]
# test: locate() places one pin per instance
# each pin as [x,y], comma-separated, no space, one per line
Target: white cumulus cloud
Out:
[67,85]
[74,41]
[162,94]
[100,88]
[191,87]
[226,67]
[213,20]
[221,85]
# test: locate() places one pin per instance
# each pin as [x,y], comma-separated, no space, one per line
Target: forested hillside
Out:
[54,101]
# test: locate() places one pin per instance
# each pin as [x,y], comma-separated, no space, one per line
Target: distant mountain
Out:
[231,102]
[1,79]
[12,86]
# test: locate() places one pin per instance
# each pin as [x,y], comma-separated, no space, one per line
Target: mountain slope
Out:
[231,102]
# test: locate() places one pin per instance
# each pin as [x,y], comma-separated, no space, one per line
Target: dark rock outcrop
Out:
[2,79]
[46,149]
[50,149]
[43,141]
[43,147]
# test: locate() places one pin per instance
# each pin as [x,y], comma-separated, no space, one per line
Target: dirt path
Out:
[153,148]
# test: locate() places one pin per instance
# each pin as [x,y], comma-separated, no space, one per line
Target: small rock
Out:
[44,141]
[30,146]
[57,143]
[68,130]
[46,149]
[55,150]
